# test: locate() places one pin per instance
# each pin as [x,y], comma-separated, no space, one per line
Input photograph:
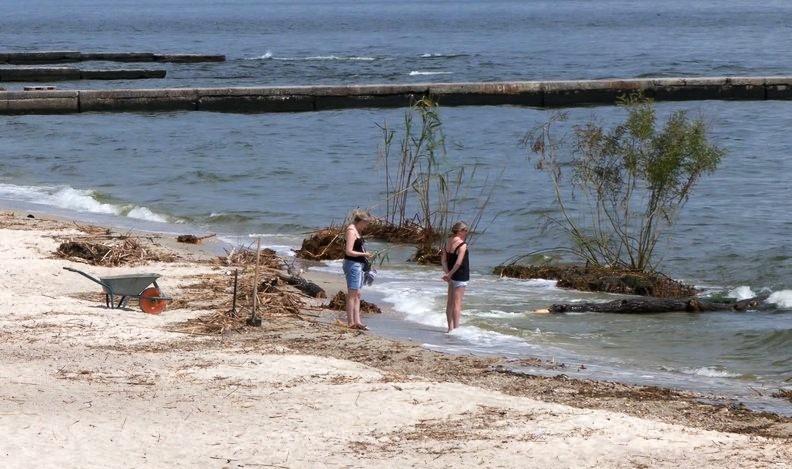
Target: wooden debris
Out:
[192,239]
[601,279]
[325,244]
[338,303]
[246,257]
[784,394]
[121,251]
[309,288]
[661,305]
[427,254]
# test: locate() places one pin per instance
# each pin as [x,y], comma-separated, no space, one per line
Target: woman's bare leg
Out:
[450,308]
[459,293]
[358,321]
[350,307]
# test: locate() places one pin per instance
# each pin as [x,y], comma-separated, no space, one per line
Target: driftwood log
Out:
[309,288]
[662,305]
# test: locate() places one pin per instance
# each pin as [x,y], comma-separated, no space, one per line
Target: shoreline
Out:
[522,357]
[300,390]
[397,325]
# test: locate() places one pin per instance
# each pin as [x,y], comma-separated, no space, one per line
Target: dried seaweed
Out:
[113,252]
[244,256]
[338,303]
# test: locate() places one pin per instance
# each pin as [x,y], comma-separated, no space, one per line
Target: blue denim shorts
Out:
[353,271]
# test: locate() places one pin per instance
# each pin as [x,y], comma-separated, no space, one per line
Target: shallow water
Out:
[284,175]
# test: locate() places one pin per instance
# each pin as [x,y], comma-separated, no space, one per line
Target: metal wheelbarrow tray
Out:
[131,285]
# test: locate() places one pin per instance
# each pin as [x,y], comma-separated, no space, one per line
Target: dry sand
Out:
[83,386]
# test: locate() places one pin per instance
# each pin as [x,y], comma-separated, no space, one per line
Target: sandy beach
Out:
[84,386]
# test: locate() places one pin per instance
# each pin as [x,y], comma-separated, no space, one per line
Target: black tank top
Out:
[463,273]
[359,246]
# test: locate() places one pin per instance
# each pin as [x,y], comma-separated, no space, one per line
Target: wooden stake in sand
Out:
[254,320]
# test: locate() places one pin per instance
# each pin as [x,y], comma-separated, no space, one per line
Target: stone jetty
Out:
[317,98]
[54,57]
[25,74]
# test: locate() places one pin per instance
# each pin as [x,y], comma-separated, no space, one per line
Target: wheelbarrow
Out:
[127,286]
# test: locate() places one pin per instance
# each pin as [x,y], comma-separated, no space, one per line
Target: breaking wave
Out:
[78,200]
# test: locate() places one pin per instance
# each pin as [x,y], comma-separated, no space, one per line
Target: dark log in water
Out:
[661,305]
[309,288]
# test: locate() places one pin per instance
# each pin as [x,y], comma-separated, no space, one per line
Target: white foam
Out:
[494,314]
[782,298]
[268,241]
[266,56]
[742,293]
[424,72]
[418,305]
[709,372]
[269,56]
[541,283]
[143,213]
[336,57]
[439,55]
[78,200]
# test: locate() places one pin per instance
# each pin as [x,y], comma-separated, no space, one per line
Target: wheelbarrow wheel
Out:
[150,302]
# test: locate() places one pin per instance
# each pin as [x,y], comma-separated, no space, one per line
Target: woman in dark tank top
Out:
[355,257]
[455,258]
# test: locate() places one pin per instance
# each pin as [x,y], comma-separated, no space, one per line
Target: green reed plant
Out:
[634,179]
[421,186]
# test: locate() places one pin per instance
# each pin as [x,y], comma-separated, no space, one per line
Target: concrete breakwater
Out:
[316,98]
[52,57]
[25,74]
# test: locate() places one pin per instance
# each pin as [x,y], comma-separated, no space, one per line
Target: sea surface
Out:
[284,175]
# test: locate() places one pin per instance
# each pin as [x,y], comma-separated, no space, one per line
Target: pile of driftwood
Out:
[113,250]
[338,303]
[408,232]
[272,292]
[329,243]
[246,257]
[601,279]
[325,244]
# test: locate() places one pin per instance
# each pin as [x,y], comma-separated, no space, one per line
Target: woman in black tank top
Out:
[355,257]
[455,258]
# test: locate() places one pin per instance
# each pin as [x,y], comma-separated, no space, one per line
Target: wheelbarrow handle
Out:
[86,275]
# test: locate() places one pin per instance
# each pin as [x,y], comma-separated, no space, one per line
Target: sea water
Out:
[287,174]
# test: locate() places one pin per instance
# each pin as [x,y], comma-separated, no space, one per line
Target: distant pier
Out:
[67,56]
[51,74]
[317,98]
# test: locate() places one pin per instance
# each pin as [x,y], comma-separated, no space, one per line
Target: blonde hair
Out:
[360,215]
[459,226]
